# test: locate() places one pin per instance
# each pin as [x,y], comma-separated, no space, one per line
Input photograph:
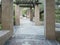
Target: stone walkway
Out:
[29,34]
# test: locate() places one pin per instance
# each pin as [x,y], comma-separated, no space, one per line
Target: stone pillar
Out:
[21,13]
[28,13]
[7,15]
[49,19]
[17,15]
[0,13]
[37,19]
[31,15]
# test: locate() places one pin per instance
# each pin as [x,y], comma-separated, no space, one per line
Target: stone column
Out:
[49,17]
[7,15]
[37,19]
[17,15]
[28,13]
[31,15]
[0,13]
[21,13]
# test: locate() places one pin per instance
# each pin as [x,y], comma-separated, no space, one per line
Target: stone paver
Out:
[29,34]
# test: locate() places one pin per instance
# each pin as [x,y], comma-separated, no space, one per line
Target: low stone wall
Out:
[4,36]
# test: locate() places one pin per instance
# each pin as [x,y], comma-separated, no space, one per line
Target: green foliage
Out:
[58,39]
[58,18]
[0,27]
[24,12]
[57,11]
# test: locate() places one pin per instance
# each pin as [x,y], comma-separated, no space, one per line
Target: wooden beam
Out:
[25,6]
[27,2]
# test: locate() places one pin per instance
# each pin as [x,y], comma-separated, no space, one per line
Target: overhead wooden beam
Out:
[27,6]
[27,2]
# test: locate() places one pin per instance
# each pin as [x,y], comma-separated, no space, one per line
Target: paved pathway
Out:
[29,34]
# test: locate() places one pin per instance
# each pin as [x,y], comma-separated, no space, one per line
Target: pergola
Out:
[49,15]
[27,3]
